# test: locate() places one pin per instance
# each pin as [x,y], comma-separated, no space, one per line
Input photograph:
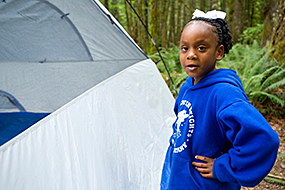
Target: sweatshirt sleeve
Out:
[255,146]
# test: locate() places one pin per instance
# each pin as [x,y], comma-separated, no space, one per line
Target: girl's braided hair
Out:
[222,31]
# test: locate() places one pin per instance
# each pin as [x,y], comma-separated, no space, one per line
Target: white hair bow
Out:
[210,14]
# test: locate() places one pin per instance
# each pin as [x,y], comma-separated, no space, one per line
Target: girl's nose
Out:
[191,55]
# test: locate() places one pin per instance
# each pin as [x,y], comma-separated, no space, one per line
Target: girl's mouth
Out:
[192,67]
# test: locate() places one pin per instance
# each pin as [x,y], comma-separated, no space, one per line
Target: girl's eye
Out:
[201,48]
[184,48]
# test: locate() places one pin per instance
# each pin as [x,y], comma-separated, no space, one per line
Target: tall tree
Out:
[278,40]
[129,19]
[223,5]
[146,22]
[251,8]
[178,22]
[230,15]
[138,26]
[153,21]
[189,6]
[237,20]
[192,9]
[246,12]
[106,4]
[164,22]
[203,5]
[171,33]
[115,10]
[268,23]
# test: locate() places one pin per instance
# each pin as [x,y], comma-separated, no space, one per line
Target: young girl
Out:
[219,140]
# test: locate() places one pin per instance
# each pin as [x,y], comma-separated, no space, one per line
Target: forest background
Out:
[257,27]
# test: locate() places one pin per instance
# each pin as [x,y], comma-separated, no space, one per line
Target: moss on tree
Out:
[278,40]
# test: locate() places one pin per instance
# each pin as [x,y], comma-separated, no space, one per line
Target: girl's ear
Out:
[220,53]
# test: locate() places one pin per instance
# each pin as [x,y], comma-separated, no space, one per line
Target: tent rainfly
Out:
[81,105]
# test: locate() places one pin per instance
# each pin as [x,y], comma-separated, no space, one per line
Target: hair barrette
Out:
[210,14]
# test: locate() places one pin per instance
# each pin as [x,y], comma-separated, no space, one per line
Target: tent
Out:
[81,105]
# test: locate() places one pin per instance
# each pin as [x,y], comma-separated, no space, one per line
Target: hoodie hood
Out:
[217,76]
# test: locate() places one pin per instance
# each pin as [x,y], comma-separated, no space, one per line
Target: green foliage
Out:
[263,79]
[281,155]
[251,34]
[172,62]
[275,180]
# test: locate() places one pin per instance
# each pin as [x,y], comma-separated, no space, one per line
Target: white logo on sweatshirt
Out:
[183,116]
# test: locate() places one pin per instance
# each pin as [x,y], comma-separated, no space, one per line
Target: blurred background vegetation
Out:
[257,27]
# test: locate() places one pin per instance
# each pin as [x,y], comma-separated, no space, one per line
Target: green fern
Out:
[180,79]
[276,85]
[275,79]
[255,95]
[275,180]
[263,79]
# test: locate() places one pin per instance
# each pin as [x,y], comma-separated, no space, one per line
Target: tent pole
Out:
[155,46]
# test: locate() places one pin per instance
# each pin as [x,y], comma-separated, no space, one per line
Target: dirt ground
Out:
[278,124]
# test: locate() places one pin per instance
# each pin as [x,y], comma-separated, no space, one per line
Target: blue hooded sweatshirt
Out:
[215,119]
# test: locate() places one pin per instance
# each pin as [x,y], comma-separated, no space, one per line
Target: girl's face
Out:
[198,49]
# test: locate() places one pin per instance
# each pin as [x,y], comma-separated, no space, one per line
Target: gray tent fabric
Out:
[45,87]
[42,31]
[30,28]
[47,49]
[81,105]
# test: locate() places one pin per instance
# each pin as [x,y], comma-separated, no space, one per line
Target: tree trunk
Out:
[129,19]
[160,21]
[171,34]
[163,24]
[153,22]
[164,9]
[116,10]
[251,13]
[188,11]
[268,24]
[278,40]
[189,8]
[223,5]
[138,23]
[106,4]
[237,20]
[178,25]
[146,37]
[202,5]
[230,15]
[193,8]
[245,13]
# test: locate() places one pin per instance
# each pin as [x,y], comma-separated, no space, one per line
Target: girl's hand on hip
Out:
[205,169]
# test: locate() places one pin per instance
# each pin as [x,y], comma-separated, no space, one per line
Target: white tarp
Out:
[114,136]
